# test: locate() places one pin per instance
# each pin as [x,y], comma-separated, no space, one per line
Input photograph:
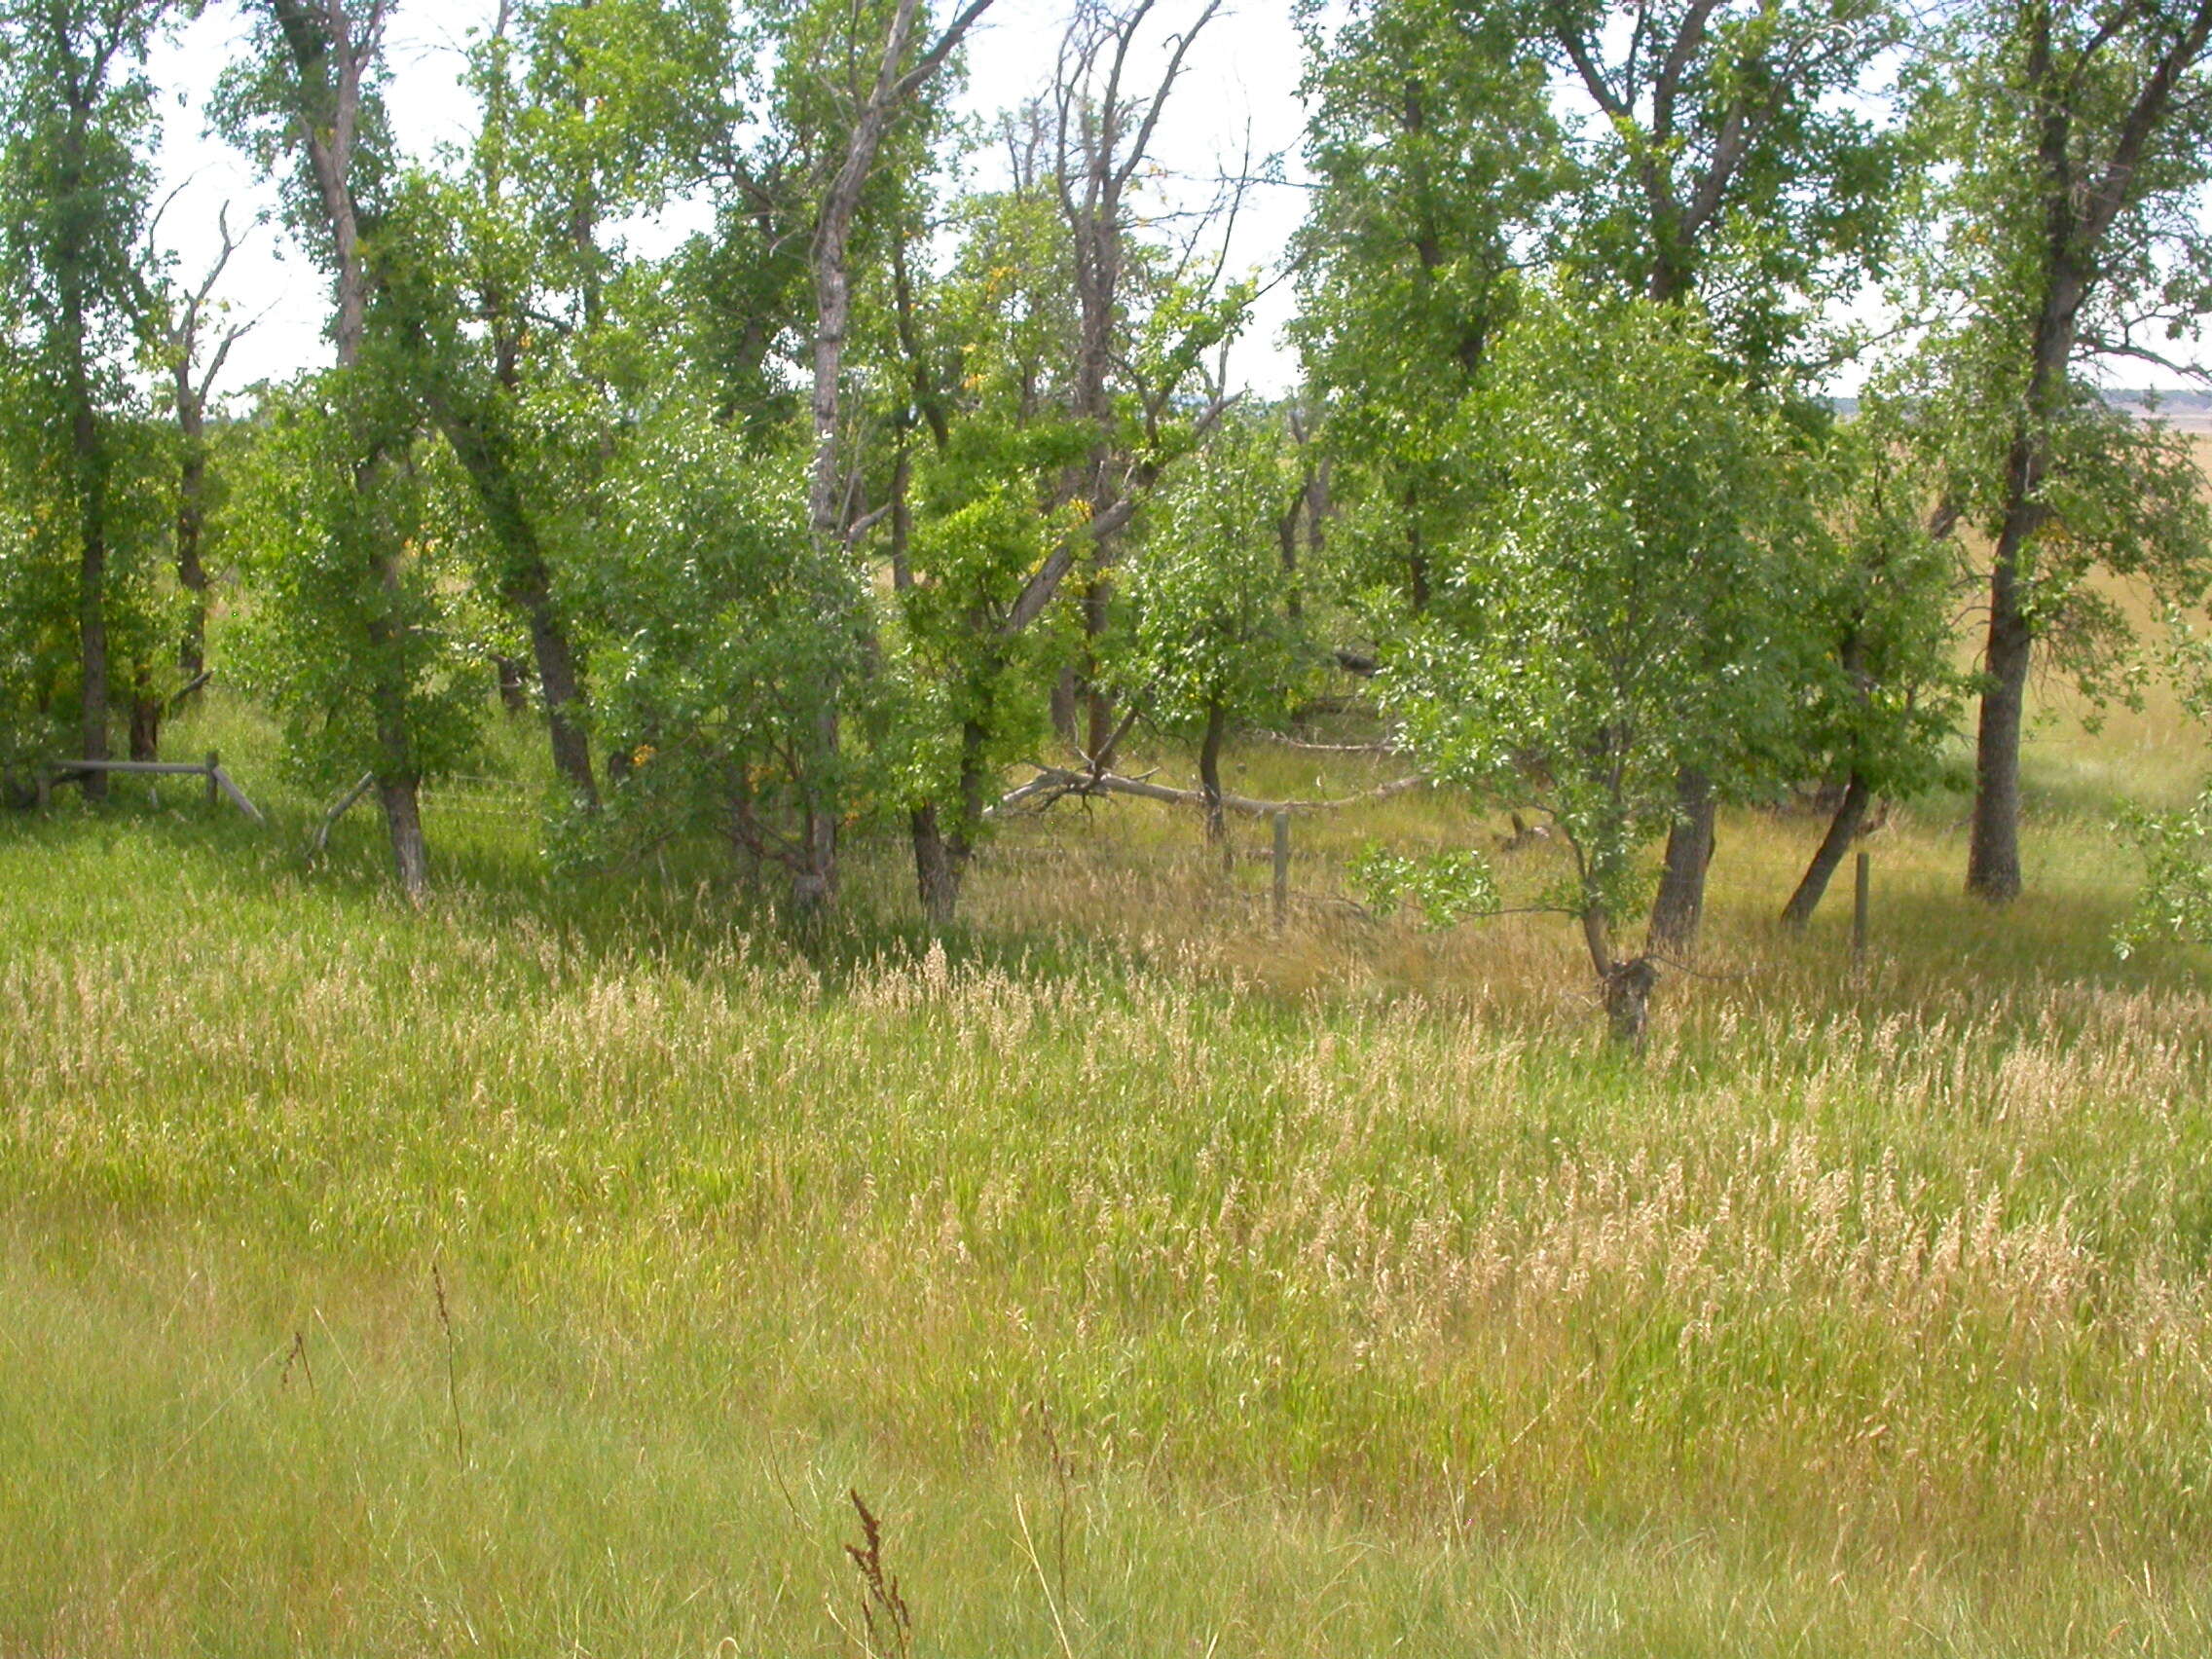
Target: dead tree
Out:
[327,51]
[1104,132]
[900,75]
[193,335]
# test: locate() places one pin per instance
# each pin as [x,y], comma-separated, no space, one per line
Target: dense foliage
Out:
[920,459]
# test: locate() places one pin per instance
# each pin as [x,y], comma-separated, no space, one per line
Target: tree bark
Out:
[191,529]
[514,692]
[2079,207]
[563,689]
[1680,907]
[936,874]
[1993,853]
[525,582]
[145,715]
[1064,697]
[88,463]
[1843,830]
[1209,772]
[403,823]
[1624,987]
[91,592]
[815,887]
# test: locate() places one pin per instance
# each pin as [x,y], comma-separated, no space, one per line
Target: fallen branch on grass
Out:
[1057,783]
[1283,740]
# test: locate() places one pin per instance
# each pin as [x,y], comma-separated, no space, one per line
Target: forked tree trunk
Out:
[1624,987]
[1680,907]
[2081,199]
[893,85]
[1843,830]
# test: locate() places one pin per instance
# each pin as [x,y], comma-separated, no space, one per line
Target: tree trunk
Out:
[1064,699]
[563,688]
[403,823]
[1100,717]
[937,871]
[515,693]
[92,564]
[145,715]
[1209,772]
[1993,855]
[1843,830]
[941,860]
[91,635]
[1625,987]
[1681,905]
[191,529]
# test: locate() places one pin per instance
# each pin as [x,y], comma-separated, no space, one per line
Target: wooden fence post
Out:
[1283,871]
[1859,897]
[213,760]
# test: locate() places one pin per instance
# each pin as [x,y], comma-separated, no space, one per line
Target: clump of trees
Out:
[923,458]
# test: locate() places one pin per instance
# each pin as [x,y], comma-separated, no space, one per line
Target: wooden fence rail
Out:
[219,781]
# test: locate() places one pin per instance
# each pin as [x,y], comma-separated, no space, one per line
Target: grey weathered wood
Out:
[221,779]
[158,768]
[1861,882]
[1053,781]
[1283,871]
[345,804]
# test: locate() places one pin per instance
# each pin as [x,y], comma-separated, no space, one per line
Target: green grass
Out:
[1167,1287]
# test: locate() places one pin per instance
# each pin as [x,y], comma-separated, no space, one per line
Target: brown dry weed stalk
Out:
[884,1613]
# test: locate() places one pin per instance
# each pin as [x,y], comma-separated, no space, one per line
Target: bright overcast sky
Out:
[1242,76]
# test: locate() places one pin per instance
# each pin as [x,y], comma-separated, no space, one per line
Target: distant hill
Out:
[2188,409]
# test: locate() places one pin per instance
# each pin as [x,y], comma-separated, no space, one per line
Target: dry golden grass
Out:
[1166,1285]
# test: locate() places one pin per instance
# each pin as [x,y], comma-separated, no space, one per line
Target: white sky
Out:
[1240,84]
[1243,70]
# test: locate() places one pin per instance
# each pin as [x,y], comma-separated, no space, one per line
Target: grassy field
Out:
[542,1273]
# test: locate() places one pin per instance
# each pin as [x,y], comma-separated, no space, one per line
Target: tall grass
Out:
[544,1270]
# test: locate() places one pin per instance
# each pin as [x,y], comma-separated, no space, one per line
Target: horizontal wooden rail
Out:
[218,781]
[165,768]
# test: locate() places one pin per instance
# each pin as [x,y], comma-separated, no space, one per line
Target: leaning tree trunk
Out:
[563,687]
[1843,830]
[1681,905]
